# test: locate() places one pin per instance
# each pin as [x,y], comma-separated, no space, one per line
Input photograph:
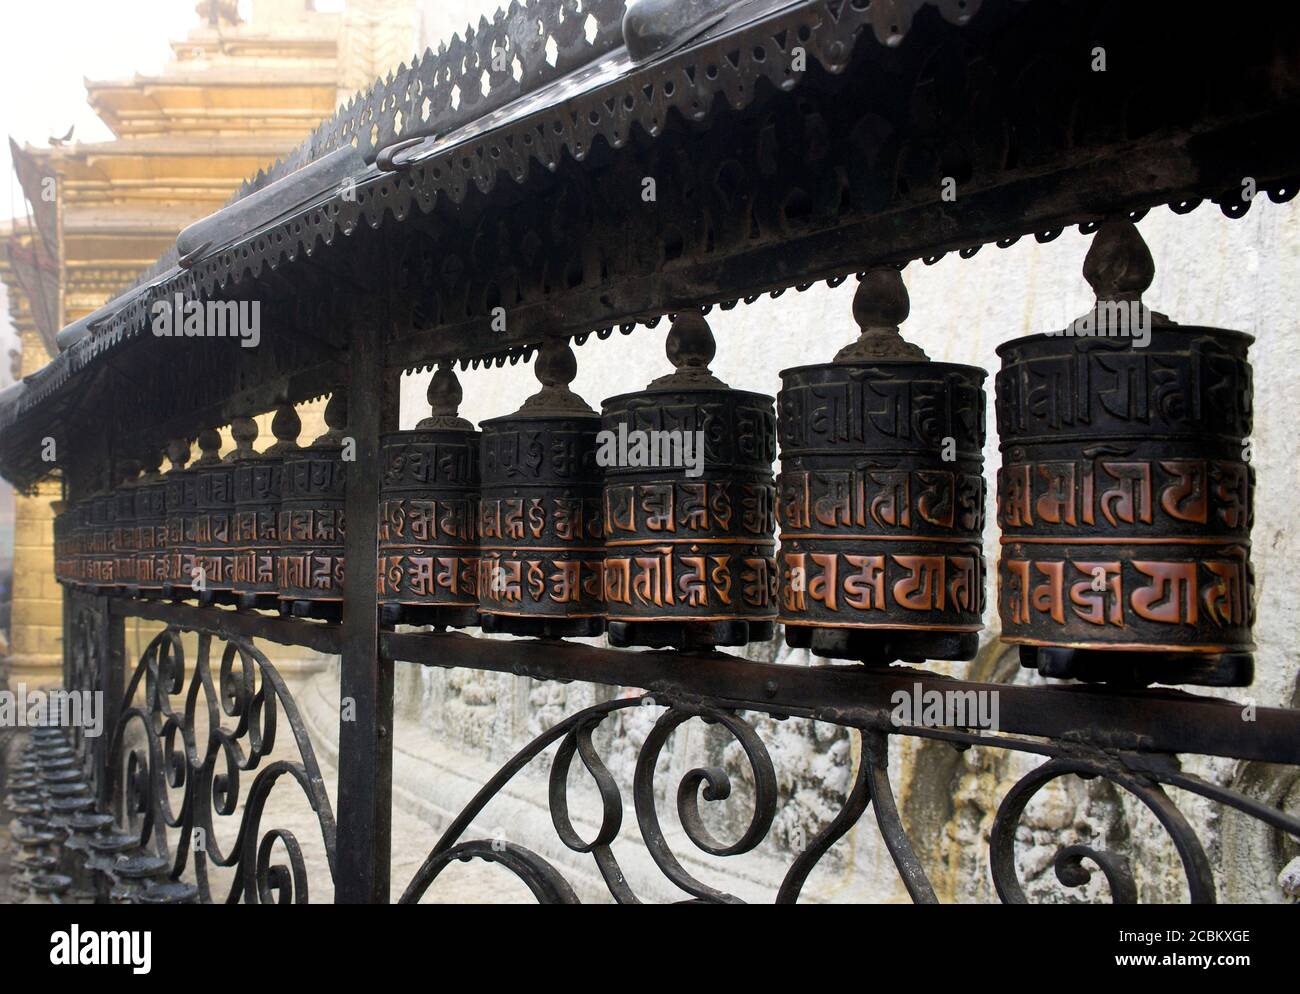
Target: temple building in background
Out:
[241,89]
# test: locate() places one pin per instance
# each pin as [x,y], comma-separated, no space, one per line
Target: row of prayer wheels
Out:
[1124,502]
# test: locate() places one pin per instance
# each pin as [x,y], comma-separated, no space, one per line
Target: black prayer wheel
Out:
[65,566]
[124,534]
[258,487]
[100,558]
[79,525]
[310,564]
[541,555]
[689,504]
[151,559]
[881,495]
[212,570]
[1125,497]
[428,516]
[180,503]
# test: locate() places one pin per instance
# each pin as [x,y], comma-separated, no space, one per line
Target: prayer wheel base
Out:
[546,628]
[1228,669]
[882,645]
[688,634]
[209,597]
[258,602]
[319,610]
[429,615]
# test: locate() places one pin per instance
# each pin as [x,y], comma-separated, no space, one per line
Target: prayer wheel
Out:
[124,533]
[541,555]
[309,564]
[258,486]
[881,495]
[215,504]
[151,527]
[1125,497]
[428,515]
[180,504]
[65,566]
[689,505]
[99,548]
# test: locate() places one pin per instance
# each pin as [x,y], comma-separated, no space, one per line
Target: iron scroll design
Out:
[1141,775]
[226,725]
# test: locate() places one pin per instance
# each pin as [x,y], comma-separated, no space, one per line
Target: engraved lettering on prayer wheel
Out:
[215,486]
[541,554]
[689,505]
[428,515]
[258,488]
[310,564]
[1124,499]
[124,534]
[881,495]
[180,502]
[151,527]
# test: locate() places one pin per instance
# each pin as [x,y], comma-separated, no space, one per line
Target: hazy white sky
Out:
[48,48]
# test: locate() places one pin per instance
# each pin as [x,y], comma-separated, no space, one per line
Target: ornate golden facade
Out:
[235,95]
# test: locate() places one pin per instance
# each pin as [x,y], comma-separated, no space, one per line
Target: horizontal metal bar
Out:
[222,622]
[1161,720]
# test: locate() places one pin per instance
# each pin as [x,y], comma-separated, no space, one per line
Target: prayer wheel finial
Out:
[1118,265]
[880,305]
[151,462]
[286,427]
[690,347]
[444,396]
[209,446]
[555,368]
[178,453]
[244,431]
[336,420]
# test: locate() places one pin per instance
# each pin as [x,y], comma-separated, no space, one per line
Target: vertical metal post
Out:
[110,679]
[366,718]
